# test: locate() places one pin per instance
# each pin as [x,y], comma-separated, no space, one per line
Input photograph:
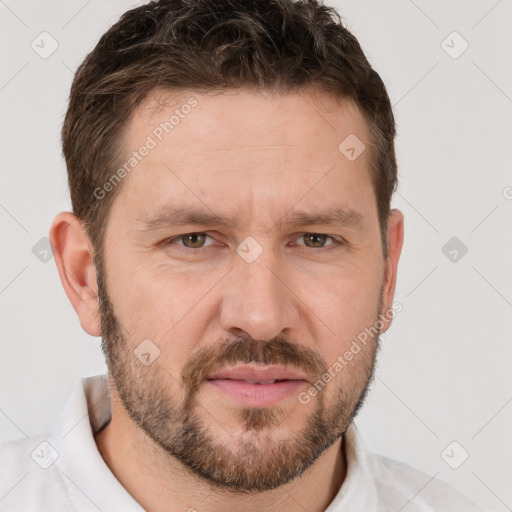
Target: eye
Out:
[190,240]
[197,240]
[317,240]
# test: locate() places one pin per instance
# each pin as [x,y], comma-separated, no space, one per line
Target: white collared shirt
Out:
[61,470]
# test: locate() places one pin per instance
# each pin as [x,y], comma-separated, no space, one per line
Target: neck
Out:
[155,479]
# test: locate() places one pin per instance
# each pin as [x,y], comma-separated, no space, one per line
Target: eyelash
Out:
[331,246]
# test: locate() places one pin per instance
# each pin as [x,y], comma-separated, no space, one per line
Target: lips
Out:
[257,386]
[258,375]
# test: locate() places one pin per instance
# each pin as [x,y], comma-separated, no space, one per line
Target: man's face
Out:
[265,287]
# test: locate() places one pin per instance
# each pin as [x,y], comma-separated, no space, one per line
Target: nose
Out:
[258,298]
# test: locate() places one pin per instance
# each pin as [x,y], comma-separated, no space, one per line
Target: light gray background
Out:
[444,369]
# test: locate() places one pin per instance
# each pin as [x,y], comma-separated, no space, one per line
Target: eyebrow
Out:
[184,216]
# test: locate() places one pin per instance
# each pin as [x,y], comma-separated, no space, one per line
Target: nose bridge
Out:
[257,299]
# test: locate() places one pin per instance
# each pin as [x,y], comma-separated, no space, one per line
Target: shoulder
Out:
[29,479]
[400,484]
[17,454]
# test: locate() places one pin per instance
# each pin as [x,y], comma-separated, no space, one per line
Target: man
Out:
[231,166]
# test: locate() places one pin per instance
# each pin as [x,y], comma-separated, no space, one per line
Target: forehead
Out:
[247,118]
[240,147]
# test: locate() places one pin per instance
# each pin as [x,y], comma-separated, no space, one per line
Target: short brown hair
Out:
[204,45]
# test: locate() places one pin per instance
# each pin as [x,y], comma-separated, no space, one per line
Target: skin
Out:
[259,157]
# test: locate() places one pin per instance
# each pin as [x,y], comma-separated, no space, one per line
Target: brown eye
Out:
[193,240]
[189,241]
[315,240]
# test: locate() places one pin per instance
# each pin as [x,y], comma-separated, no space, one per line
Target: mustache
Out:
[245,350]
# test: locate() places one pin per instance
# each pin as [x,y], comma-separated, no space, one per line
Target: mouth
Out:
[258,374]
[252,386]
[255,381]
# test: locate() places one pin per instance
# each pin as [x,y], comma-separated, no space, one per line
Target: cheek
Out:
[343,310]
[164,307]
[345,300]
[350,309]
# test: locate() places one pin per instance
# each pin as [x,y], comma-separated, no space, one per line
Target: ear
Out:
[395,239]
[73,254]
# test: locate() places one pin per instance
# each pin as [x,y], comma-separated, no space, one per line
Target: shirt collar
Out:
[358,491]
[86,475]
